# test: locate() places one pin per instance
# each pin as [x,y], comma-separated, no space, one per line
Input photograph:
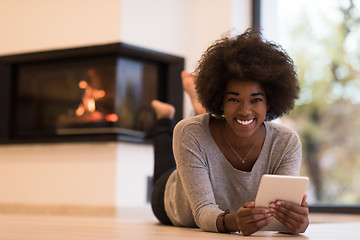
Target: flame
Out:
[86,111]
[80,111]
[83,84]
[90,105]
[111,117]
[99,94]
[88,99]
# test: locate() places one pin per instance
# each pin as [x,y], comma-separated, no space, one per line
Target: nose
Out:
[244,109]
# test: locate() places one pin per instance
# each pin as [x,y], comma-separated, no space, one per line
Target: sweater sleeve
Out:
[193,170]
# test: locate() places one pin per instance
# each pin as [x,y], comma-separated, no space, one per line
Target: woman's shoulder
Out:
[196,127]
[280,130]
[193,122]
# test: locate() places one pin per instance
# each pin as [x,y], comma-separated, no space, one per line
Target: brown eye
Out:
[257,100]
[233,100]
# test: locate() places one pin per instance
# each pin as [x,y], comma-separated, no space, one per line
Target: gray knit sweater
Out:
[205,183]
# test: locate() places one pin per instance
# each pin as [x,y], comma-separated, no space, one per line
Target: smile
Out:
[248,122]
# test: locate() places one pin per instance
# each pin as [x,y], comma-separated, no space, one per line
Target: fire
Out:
[83,84]
[80,111]
[88,99]
[86,111]
[111,117]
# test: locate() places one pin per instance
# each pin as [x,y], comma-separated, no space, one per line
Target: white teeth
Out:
[245,122]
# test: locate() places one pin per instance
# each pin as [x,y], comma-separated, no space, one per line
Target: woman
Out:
[243,82]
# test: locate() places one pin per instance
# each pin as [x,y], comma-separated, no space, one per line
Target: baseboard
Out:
[60,210]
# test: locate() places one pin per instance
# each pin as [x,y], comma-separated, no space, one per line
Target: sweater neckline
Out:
[206,120]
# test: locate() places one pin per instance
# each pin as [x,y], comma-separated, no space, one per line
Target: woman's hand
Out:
[250,219]
[293,216]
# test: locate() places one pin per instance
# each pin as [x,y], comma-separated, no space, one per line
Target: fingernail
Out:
[278,203]
[272,205]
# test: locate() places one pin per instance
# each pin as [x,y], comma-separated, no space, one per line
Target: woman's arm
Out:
[193,171]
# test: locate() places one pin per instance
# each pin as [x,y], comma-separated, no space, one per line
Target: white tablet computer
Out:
[280,187]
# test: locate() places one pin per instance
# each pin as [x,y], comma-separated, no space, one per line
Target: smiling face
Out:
[244,107]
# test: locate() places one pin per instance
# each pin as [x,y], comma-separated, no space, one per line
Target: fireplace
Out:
[90,93]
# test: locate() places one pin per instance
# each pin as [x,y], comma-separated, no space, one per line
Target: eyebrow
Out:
[253,94]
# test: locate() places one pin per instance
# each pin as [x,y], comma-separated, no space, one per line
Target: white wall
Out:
[60,174]
[102,173]
[31,25]
[182,27]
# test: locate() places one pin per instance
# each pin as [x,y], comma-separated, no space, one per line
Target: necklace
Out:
[230,145]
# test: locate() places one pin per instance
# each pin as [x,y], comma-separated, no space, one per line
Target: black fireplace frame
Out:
[170,74]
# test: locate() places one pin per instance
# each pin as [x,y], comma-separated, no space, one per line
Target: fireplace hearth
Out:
[91,93]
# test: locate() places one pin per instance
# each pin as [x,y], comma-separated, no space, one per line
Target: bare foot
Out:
[188,82]
[163,110]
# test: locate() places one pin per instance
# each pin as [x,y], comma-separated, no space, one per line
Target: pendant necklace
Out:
[230,145]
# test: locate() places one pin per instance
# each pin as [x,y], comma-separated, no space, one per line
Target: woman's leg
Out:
[162,139]
[157,198]
[188,82]
[164,159]
[164,163]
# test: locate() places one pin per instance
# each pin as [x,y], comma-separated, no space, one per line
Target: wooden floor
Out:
[141,225]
